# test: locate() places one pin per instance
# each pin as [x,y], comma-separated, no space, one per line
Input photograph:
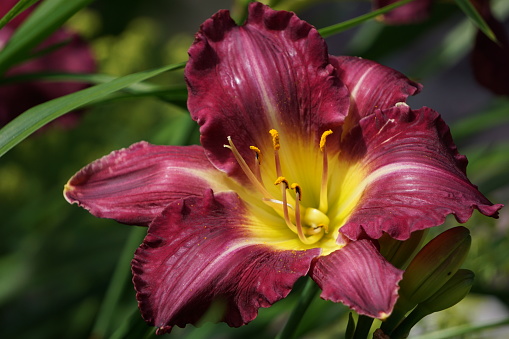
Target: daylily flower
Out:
[489,58]
[74,56]
[305,158]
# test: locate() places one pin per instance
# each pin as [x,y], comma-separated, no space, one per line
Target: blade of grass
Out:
[117,283]
[470,11]
[36,117]
[18,8]
[168,94]
[311,289]
[345,25]
[43,21]
[457,332]
[471,126]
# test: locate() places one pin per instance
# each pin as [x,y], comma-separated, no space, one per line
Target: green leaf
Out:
[350,327]
[345,25]
[311,289]
[36,117]
[18,8]
[43,21]
[470,126]
[177,94]
[457,332]
[117,283]
[470,11]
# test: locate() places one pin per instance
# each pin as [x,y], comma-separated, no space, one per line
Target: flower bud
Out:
[399,253]
[451,293]
[435,264]
[431,268]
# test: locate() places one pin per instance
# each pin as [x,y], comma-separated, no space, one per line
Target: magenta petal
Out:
[416,177]
[490,59]
[272,72]
[198,251]
[359,277]
[413,12]
[372,86]
[133,185]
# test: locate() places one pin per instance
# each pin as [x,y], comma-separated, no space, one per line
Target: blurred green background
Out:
[57,261]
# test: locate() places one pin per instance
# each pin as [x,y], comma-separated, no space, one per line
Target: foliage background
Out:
[57,261]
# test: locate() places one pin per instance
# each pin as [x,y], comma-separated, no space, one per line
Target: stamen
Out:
[258,156]
[275,139]
[323,139]
[276,145]
[300,231]
[250,175]
[286,215]
[324,205]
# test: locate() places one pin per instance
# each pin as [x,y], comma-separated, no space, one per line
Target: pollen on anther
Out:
[258,153]
[324,138]
[297,189]
[275,139]
[280,180]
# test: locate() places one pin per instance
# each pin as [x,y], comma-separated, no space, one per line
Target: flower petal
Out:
[489,59]
[358,276]
[133,185]
[372,86]
[413,12]
[272,72]
[416,177]
[199,252]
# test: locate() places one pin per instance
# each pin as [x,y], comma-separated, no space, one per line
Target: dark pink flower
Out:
[489,58]
[413,12]
[305,160]
[74,56]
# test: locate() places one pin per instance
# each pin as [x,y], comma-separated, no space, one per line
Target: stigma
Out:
[308,223]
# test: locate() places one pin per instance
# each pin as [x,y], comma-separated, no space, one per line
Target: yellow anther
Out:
[323,139]
[258,154]
[275,139]
[280,180]
[297,190]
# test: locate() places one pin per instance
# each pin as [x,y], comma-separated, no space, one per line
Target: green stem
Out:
[117,283]
[345,25]
[308,294]
[410,321]
[363,326]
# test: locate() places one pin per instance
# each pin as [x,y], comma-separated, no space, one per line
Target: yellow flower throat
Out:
[308,223]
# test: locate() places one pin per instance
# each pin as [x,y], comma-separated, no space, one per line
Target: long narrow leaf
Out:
[470,11]
[456,332]
[14,11]
[345,25]
[44,20]
[36,117]
[118,283]
[176,94]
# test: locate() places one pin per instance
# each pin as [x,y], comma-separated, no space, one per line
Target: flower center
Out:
[310,224]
